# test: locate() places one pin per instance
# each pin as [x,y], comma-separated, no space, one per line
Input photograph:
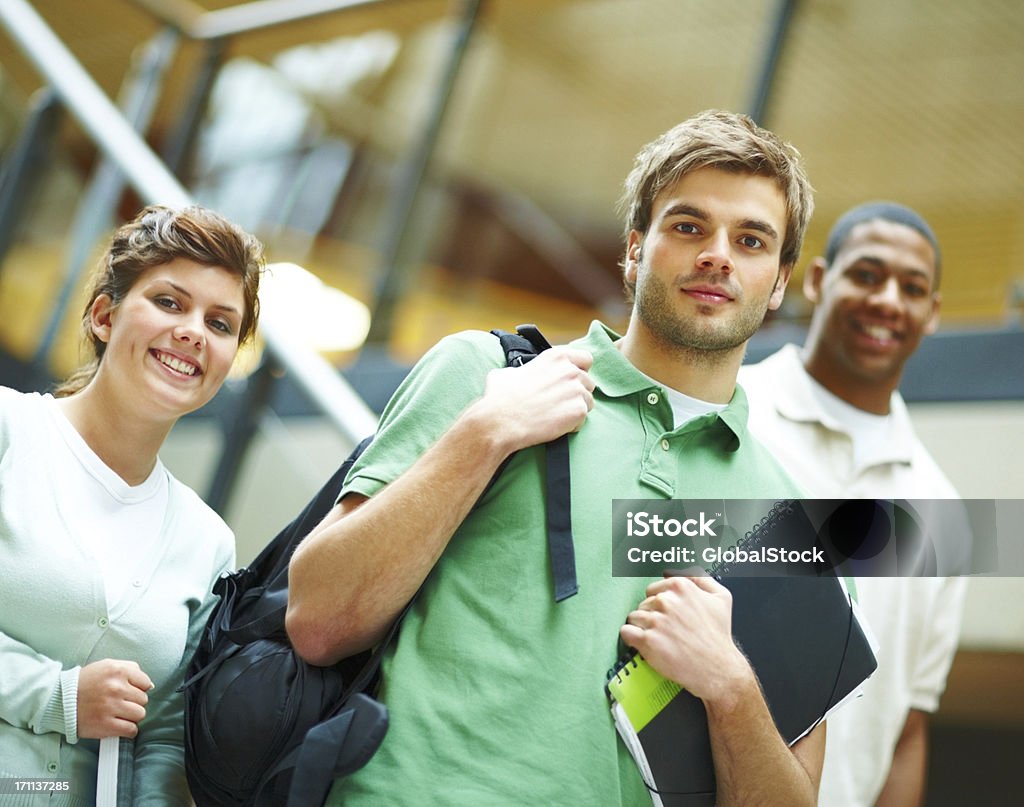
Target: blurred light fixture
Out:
[310,312]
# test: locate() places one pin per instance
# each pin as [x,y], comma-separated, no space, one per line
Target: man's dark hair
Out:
[886,211]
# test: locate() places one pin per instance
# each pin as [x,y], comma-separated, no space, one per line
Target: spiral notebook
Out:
[803,640]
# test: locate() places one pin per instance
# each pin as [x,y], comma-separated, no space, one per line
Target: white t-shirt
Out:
[869,432]
[684,407]
[120,524]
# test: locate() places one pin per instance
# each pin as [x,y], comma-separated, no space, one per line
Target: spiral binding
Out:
[757,534]
[622,666]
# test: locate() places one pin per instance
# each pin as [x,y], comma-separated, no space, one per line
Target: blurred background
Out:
[417,167]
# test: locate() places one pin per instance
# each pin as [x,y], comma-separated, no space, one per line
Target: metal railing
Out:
[147,175]
[197,23]
[94,111]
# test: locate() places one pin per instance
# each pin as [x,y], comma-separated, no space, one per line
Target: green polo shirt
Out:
[496,693]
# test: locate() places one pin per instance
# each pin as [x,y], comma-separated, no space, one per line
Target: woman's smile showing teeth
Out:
[176,364]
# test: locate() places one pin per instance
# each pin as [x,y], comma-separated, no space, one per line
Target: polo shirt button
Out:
[136,583]
[52,767]
[664,445]
[652,398]
[102,622]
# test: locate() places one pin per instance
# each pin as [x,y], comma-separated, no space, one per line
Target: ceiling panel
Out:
[919,102]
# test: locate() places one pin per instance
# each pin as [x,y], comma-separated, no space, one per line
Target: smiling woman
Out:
[157,237]
[128,553]
[172,338]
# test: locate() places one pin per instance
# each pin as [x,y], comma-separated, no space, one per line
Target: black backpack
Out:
[263,727]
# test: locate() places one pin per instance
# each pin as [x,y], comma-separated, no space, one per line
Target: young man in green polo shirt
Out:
[495,691]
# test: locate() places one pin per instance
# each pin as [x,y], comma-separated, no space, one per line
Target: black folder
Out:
[803,641]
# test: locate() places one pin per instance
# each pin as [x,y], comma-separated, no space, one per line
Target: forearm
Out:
[159,760]
[352,576]
[683,629]
[753,765]
[159,774]
[905,785]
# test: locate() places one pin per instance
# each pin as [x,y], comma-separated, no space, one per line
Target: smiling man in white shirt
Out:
[832,414]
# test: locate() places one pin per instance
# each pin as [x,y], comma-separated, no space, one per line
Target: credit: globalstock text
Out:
[864,537]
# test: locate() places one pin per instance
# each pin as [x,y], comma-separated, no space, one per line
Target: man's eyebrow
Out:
[761,227]
[900,270]
[870,260]
[682,209]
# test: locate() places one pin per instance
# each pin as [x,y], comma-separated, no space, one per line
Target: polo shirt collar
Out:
[616,377]
[795,400]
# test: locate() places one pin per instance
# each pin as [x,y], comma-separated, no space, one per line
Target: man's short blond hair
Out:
[729,142]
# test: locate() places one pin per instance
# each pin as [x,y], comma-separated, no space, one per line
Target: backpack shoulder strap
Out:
[520,347]
[559,515]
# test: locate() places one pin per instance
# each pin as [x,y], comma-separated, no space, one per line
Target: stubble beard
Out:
[700,338]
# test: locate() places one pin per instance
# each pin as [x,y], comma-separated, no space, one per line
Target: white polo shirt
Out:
[836,454]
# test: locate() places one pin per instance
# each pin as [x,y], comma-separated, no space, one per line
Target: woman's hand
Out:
[111,698]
